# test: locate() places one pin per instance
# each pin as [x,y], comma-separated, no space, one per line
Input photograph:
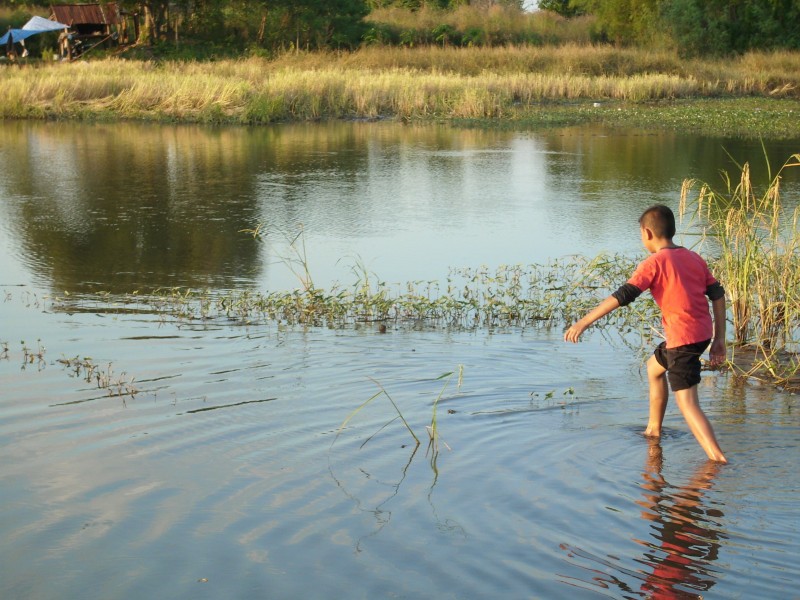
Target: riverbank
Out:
[755,95]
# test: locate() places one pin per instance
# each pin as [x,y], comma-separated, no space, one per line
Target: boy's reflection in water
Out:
[686,539]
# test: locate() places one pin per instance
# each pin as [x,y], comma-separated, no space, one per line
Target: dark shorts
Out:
[682,363]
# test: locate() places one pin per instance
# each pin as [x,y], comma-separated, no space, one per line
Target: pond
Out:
[147,456]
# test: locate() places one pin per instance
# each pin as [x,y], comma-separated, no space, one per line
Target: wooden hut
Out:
[92,24]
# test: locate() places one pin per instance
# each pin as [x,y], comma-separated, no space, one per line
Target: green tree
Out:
[317,24]
[695,27]
[624,21]
[565,8]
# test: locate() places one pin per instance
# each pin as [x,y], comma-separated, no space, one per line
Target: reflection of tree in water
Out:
[685,539]
[119,208]
[123,207]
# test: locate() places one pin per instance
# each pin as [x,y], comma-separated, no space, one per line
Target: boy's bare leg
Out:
[701,428]
[657,377]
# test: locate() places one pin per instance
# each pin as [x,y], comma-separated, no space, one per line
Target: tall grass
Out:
[758,245]
[504,82]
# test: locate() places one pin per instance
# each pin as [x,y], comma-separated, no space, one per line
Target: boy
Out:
[679,280]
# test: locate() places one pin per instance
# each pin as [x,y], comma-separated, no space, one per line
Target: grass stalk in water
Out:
[432,429]
[382,392]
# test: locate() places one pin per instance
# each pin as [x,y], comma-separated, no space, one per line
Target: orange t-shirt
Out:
[678,278]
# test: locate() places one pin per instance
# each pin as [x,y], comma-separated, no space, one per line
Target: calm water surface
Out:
[223,477]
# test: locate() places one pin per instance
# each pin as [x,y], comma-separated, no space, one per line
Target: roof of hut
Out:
[86,14]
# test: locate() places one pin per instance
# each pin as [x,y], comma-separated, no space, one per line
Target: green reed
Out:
[433,428]
[381,393]
[757,242]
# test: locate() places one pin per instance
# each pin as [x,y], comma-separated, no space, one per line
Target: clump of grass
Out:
[382,392]
[86,369]
[290,248]
[757,242]
[433,428]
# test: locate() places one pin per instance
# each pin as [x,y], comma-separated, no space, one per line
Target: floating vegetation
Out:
[233,404]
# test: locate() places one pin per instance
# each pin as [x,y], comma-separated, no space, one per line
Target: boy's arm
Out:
[718,352]
[601,310]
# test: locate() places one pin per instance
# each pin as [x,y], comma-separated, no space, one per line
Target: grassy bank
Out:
[758,94]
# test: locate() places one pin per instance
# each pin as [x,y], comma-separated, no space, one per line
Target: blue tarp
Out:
[32,27]
[17,35]
[40,25]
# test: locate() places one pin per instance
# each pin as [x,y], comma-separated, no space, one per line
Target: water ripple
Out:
[229,472]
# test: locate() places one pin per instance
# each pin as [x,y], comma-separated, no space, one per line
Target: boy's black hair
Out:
[660,220]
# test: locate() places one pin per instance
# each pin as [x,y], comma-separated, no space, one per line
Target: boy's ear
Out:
[648,233]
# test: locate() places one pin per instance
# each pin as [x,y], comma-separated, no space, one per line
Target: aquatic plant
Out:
[433,428]
[535,295]
[290,248]
[30,355]
[86,369]
[757,245]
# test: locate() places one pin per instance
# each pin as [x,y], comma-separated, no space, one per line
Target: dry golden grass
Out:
[396,82]
[758,245]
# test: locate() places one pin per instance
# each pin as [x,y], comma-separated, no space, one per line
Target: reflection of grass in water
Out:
[758,262]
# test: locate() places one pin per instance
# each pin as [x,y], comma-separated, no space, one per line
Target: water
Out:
[227,476]
[122,207]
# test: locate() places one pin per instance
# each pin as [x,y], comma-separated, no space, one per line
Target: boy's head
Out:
[660,220]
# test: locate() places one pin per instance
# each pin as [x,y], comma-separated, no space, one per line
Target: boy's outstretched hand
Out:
[573,333]
[601,310]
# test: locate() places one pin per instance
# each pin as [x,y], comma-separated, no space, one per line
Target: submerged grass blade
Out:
[353,414]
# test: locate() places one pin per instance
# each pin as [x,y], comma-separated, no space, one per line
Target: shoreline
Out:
[749,118]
